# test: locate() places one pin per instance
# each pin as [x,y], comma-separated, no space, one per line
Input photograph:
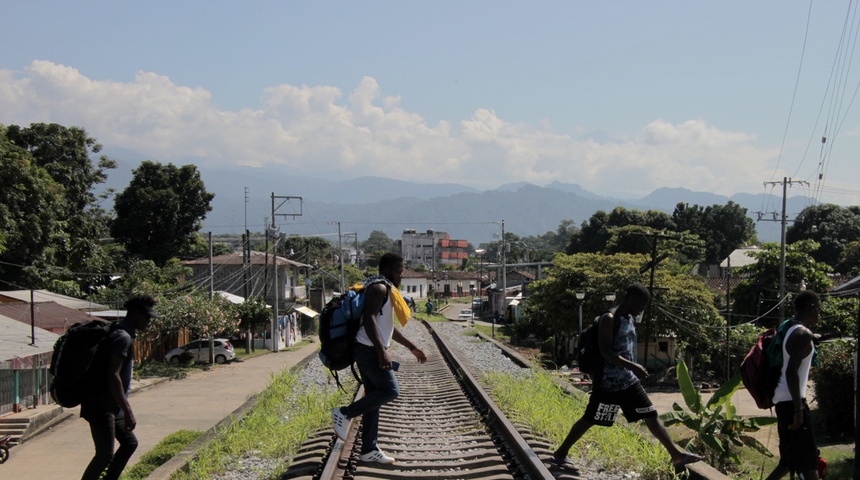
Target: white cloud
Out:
[314,129]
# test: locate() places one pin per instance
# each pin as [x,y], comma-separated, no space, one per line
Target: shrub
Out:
[834,386]
[720,432]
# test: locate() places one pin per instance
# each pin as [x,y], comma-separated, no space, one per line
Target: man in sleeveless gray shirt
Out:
[618,387]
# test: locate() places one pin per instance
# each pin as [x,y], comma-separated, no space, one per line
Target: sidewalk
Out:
[196,402]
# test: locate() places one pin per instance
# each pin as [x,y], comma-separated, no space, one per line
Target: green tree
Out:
[144,276]
[592,235]
[850,261]
[308,249]
[683,305]
[543,248]
[376,245]
[834,386]
[723,227]
[687,217]
[28,209]
[159,212]
[200,248]
[253,313]
[196,312]
[597,232]
[78,222]
[833,227]
[758,293]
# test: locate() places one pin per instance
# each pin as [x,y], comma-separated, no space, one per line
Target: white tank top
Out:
[384,326]
[781,394]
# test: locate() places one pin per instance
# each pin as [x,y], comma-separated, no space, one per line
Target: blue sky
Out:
[620,97]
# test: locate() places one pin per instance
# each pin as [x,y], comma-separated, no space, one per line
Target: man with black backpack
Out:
[797,450]
[384,305]
[106,407]
[617,386]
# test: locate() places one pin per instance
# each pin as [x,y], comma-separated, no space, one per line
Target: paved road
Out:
[196,402]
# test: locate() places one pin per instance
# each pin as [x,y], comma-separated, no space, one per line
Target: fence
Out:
[27,383]
[27,386]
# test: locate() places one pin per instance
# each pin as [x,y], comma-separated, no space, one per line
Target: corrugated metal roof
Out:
[50,315]
[15,341]
[741,257]
[306,311]
[851,286]
[237,299]
[257,258]
[44,296]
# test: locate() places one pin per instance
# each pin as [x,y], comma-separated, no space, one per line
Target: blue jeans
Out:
[380,387]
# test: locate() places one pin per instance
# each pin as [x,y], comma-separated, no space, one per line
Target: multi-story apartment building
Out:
[432,249]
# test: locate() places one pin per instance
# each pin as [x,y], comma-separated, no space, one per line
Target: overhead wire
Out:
[794,93]
[838,80]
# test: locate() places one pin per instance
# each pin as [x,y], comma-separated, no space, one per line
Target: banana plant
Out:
[716,423]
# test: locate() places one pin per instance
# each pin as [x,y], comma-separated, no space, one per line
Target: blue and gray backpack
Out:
[339,324]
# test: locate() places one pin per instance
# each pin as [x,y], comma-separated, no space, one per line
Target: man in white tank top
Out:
[371,356]
[797,450]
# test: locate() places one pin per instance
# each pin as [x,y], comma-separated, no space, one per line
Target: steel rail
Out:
[443,425]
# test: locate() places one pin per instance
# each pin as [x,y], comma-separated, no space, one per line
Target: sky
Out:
[619,97]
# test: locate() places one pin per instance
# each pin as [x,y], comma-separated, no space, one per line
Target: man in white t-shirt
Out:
[797,450]
[383,306]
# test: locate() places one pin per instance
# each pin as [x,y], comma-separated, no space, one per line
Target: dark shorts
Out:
[603,406]
[797,449]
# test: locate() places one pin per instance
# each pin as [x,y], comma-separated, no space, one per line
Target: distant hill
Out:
[374,203]
[464,212]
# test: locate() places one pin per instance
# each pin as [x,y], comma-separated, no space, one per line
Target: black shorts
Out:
[603,406]
[797,449]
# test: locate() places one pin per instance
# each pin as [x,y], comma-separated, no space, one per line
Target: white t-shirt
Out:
[384,326]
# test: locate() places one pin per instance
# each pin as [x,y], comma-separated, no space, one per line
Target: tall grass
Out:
[285,414]
[160,454]
[539,403]
[502,332]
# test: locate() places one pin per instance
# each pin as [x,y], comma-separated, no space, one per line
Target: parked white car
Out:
[198,351]
[465,314]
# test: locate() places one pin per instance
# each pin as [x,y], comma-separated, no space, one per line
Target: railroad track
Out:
[442,426]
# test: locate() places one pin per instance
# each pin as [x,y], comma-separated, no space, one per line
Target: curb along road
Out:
[197,402]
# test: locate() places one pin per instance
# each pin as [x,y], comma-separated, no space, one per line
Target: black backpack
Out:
[588,355]
[75,362]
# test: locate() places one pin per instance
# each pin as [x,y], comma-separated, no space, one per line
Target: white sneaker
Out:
[376,456]
[340,422]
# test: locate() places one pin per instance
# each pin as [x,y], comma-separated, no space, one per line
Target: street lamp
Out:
[480,253]
[580,295]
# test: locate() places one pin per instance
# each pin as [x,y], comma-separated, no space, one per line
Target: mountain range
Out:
[364,204]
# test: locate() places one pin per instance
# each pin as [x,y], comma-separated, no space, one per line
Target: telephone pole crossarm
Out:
[786,182]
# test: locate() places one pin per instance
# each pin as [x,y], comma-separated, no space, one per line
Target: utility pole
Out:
[275,231]
[33,318]
[728,311]
[856,394]
[340,256]
[652,265]
[246,258]
[211,295]
[785,183]
[504,275]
